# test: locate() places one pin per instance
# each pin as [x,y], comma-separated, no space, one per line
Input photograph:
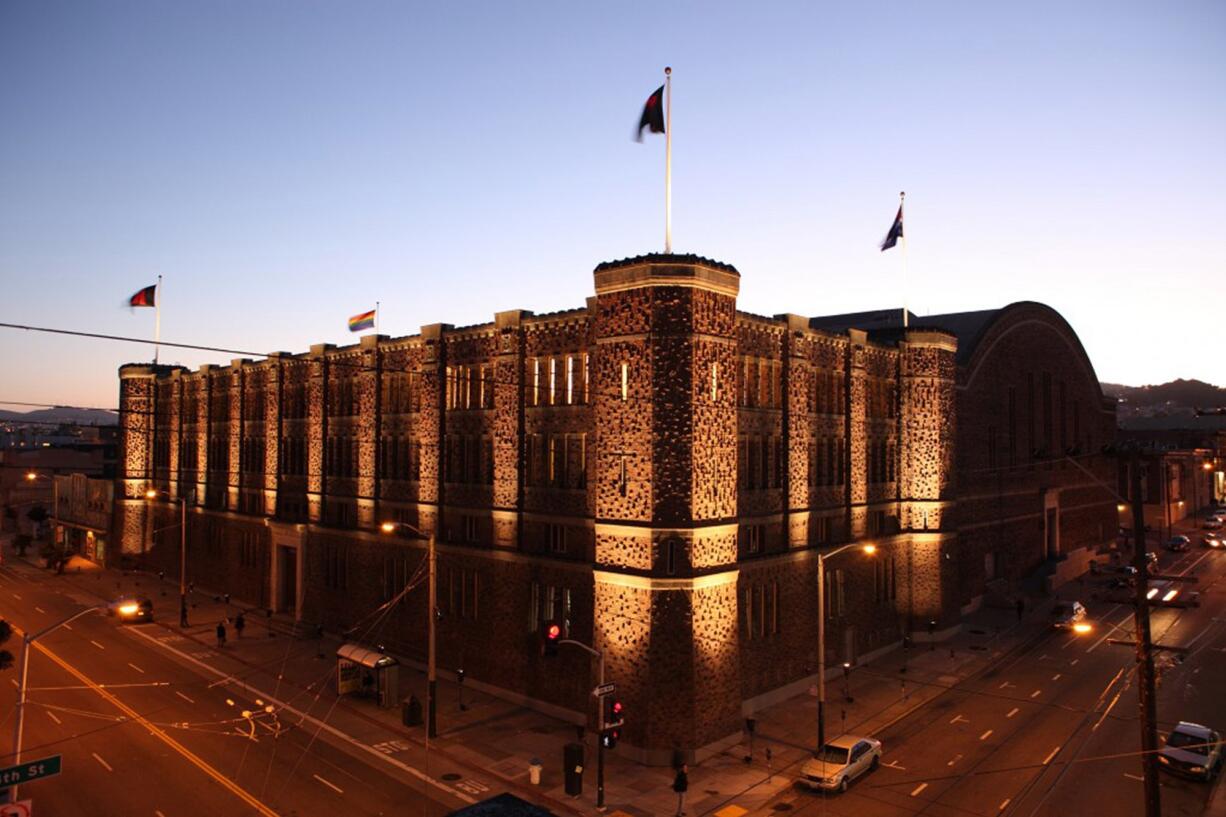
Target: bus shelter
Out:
[367,673]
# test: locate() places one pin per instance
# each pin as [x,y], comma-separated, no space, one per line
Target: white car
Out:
[1193,750]
[841,761]
[1066,614]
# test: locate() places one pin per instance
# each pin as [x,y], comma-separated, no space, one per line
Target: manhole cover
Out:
[781,807]
[451,776]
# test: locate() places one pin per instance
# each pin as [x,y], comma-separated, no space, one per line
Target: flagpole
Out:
[668,160]
[906,279]
[376,319]
[157,319]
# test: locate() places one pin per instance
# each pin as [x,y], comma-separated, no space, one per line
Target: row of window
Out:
[556,461]
[558,381]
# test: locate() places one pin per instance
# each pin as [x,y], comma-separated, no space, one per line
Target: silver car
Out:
[1192,750]
[841,760]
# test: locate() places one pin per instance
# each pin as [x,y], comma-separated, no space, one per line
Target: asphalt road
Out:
[1051,727]
[143,732]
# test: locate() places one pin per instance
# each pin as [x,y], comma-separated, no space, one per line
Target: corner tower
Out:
[664,387]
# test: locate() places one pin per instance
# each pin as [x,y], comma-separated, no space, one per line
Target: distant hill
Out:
[1176,394]
[62,415]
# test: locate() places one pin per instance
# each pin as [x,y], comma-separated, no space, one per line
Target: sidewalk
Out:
[487,746]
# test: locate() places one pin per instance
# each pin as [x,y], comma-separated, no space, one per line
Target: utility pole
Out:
[1145,655]
[431,667]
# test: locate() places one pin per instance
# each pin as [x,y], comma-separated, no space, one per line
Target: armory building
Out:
[656,471]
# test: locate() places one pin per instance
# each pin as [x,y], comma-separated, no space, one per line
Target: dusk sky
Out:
[287,164]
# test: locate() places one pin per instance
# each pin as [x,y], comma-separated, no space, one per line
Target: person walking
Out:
[239,624]
[221,634]
[681,784]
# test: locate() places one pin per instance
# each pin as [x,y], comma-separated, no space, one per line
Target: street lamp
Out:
[182,500]
[26,640]
[431,618]
[31,476]
[868,549]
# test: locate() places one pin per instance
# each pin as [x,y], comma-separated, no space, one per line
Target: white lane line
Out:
[39,609]
[1001,807]
[1073,663]
[1134,777]
[332,786]
[958,719]
[138,669]
[96,644]
[1044,655]
[1056,677]
[52,716]
[984,736]
[1036,693]
[66,626]
[157,813]
[1054,752]
[919,789]
[105,765]
[184,697]
[1012,712]
[893,764]
[1006,685]
[17,597]
[955,760]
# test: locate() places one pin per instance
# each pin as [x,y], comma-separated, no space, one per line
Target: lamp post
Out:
[182,500]
[431,620]
[26,640]
[55,500]
[869,549]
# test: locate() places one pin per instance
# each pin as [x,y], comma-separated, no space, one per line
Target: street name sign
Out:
[604,689]
[24,773]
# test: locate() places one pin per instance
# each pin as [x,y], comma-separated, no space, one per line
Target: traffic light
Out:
[551,634]
[613,713]
[609,739]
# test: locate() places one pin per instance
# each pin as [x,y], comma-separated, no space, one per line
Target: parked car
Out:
[1211,540]
[131,608]
[840,761]
[1112,567]
[1192,750]
[1066,614]
[1178,543]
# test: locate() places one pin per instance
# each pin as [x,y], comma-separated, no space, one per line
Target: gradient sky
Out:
[286,164]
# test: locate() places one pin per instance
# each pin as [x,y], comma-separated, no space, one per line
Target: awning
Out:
[364,656]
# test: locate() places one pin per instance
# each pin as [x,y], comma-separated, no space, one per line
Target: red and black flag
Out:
[895,233]
[653,114]
[145,297]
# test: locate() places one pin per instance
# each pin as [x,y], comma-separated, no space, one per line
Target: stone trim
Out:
[654,585]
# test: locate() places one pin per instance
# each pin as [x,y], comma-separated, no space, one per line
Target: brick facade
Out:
[656,471]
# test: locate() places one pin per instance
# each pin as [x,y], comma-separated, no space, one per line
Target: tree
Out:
[6,657]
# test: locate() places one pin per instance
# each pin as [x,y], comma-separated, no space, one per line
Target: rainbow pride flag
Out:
[363,321]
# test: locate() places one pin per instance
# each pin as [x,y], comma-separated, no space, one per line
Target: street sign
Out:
[46,767]
[22,808]
[603,690]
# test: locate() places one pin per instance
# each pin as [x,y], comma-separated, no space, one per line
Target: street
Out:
[1051,727]
[143,732]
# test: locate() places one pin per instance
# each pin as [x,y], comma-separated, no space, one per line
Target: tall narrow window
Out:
[583,398]
[536,381]
[553,381]
[714,381]
[570,380]
[625,380]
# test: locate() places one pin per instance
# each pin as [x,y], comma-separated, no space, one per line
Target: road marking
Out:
[332,786]
[955,760]
[893,764]
[1134,777]
[1005,685]
[96,644]
[138,669]
[52,716]
[158,733]
[984,736]
[1012,712]
[1036,693]
[1073,663]
[1041,657]
[105,765]
[184,697]
[1056,677]
[17,597]
[157,813]
[66,626]
[919,789]
[958,719]
[1001,807]
[1054,752]
[39,609]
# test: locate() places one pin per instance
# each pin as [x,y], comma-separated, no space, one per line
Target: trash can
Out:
[534,771]
[572,768]
[410,711]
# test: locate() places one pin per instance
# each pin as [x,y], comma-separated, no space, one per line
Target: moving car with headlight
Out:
[1067,614]
[131,608]
[1192,750]
[841,761]
[1212,540]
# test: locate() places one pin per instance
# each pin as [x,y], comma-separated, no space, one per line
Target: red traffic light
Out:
[553,632]
[617,707]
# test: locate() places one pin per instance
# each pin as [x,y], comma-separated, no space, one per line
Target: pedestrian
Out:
[221,634]
[239,624]
[680,784]
[1021,607]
